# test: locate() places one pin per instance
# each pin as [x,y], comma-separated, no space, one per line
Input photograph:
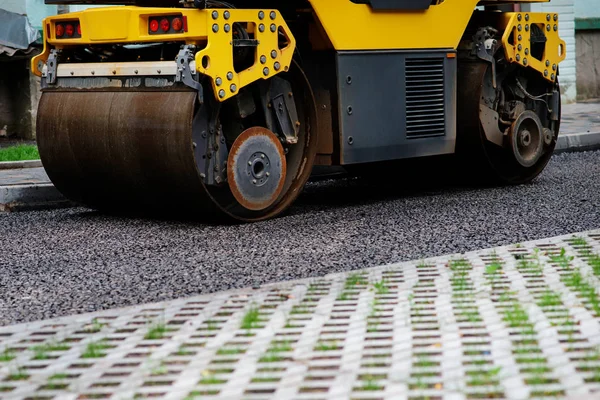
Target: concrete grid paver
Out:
[518,322]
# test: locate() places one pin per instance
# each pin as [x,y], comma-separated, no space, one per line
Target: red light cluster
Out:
[167,24]
[67,30]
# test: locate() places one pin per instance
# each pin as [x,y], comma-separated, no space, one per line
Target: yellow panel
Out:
[219,50]
[519,51]
[126,24]
[130,25]
[356,27]
[98,29]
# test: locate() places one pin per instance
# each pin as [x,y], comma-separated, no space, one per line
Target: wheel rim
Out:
[526,139]
[256,168]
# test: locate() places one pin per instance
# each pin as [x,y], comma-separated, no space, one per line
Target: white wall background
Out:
[15,6]
[587,9]
[37,11]
[566,16]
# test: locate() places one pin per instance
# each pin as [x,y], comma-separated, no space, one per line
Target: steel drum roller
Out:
[122,149]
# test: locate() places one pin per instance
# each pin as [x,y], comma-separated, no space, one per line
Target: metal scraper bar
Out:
[117,69]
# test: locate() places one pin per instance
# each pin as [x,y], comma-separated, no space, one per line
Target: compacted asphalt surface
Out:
[68,261]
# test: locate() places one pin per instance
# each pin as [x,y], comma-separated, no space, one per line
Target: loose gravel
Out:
[62,262]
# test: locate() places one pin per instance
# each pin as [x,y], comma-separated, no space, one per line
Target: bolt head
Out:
[254,181]
[268,174]
[272,14]
[273,27]
[219,81]
[263,59]
[273,54]
[555,28]
[520,37]
[215,14]
[553,67]
[227,27]
[526,17]
[548,17]
[233,88]
[266,71]
[552,76]
[526,28]
[520,47]
[526,51]
[519,28]
[548,28]
[277,66]
[261,27]
[221,93]
[556,17]
[226,14]
[518,57]
[230,75]
[547,63]
[249,162]
[262,156]
[215,28]
[524,61]
[545,72]
[261,15]
[519,17]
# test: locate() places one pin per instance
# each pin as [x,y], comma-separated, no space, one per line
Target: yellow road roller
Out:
[222,108]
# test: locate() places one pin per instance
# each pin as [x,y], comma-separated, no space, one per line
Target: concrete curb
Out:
[578,142]
[20,164]
[28,197]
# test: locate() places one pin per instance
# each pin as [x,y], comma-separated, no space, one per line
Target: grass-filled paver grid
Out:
[517,322]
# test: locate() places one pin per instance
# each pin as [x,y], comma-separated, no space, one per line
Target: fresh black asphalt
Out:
[68,261]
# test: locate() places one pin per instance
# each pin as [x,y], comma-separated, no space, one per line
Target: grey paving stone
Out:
[518,322]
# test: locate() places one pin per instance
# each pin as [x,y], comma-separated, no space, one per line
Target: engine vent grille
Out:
[425,105]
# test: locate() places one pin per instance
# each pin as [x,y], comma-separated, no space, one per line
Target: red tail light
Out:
[177,24]
[165,25]
[168,24]
[69,30]
[60,30]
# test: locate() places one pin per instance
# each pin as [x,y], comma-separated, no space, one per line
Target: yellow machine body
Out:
[441,27]
[413,69]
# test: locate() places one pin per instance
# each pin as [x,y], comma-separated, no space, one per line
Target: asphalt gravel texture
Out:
[70,261]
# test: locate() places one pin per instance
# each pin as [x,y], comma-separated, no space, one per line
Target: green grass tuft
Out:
[156,332]
[230,351]
[7,355]
[19,375]
[325,346]
[58,376]
[594,262]
[381,287]
[281,347]
[251,319]
[95,350]
[549,299]
[21,152]
[41,351]
[578,241]
[355,280]
[493,268]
